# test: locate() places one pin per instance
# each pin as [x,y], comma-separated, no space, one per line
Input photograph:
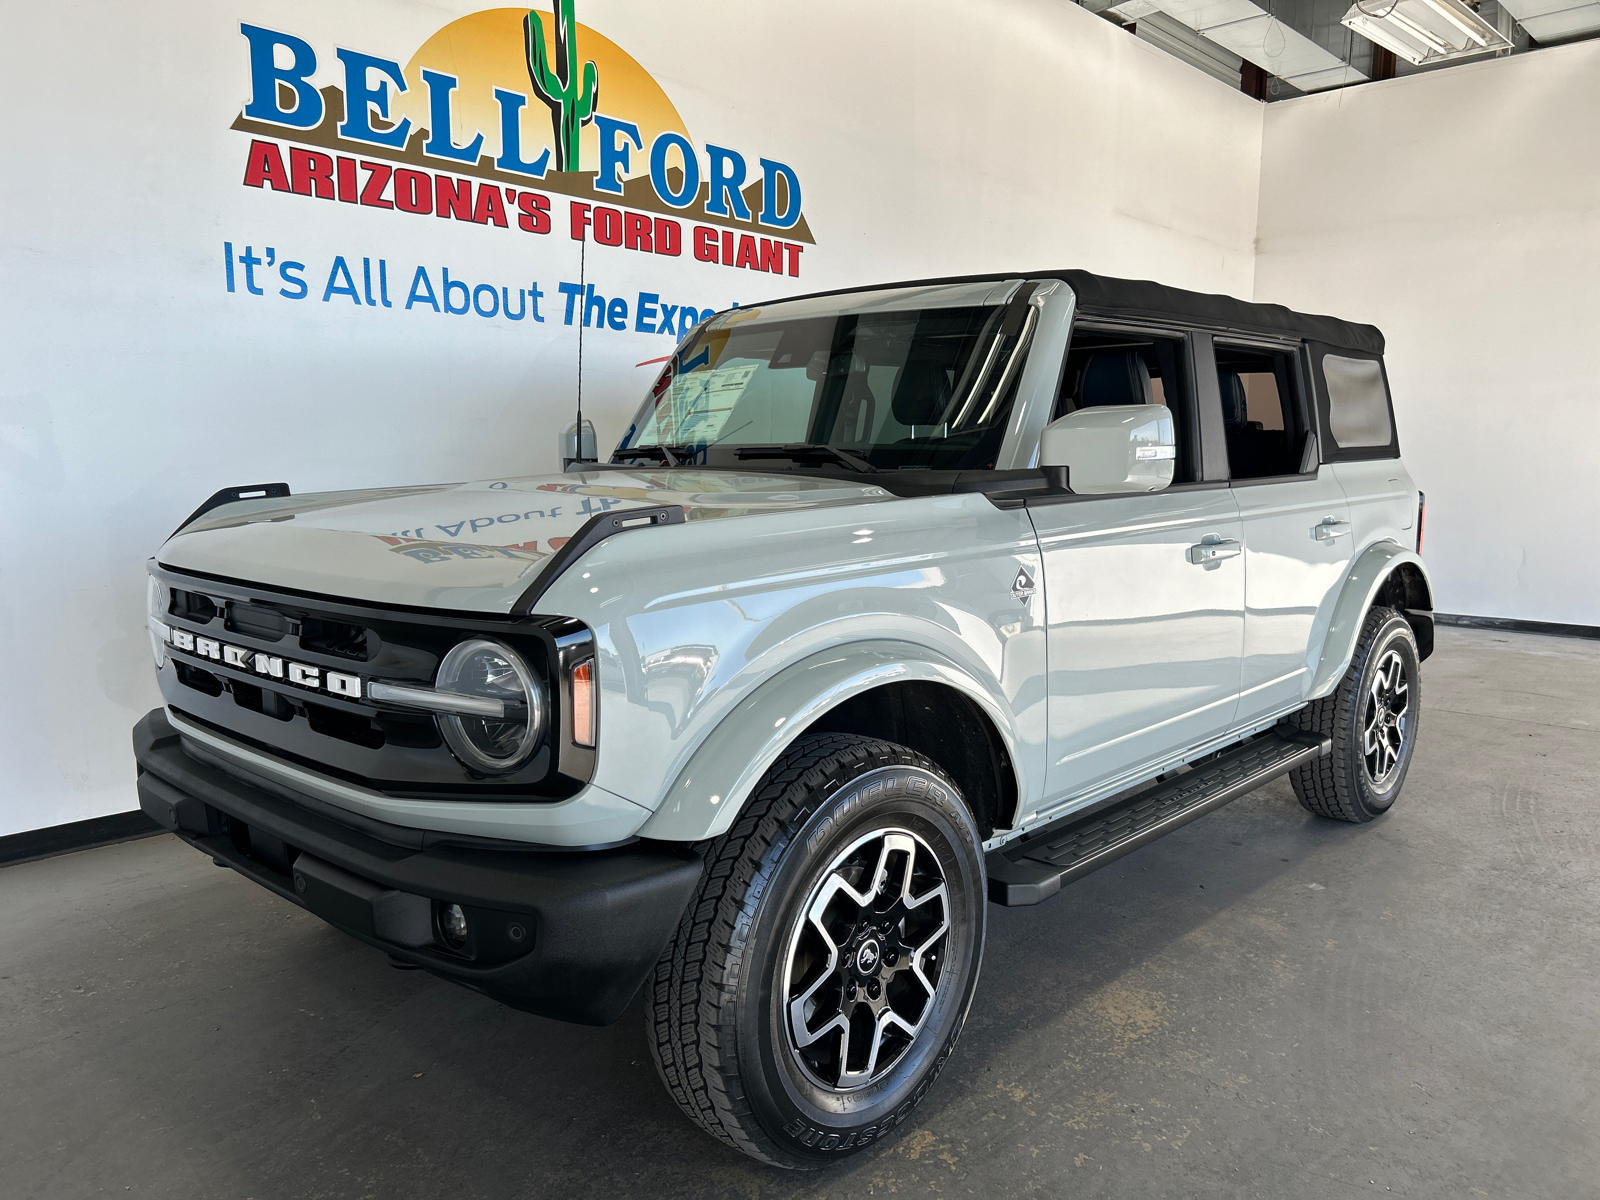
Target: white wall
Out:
[1459,211]
[931,136]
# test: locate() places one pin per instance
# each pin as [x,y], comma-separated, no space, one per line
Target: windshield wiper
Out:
[803,451]
[661,452]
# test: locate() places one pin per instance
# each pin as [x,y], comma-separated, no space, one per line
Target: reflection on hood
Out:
[468,545]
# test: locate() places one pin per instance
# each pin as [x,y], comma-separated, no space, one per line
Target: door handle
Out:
[1330,528]
[1214,549]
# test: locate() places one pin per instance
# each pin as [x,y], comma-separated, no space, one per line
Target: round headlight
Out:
[493,745]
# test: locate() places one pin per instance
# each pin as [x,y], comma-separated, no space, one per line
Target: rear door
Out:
[1297,529]
[1144,593]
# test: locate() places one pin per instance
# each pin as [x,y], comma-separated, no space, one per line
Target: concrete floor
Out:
[1262,1004]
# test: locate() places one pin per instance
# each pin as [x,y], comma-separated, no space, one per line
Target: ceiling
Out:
[1276,49]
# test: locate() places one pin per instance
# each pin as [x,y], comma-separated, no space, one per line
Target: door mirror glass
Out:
[1113,448]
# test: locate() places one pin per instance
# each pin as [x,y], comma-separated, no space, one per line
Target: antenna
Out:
[572,439]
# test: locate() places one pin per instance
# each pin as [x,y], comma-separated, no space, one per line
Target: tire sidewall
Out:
[1393,634]
[813,1124]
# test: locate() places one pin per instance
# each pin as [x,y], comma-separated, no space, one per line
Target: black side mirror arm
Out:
[1057,479]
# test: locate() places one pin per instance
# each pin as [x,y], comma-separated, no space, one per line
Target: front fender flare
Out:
[717,780]
[1369,572]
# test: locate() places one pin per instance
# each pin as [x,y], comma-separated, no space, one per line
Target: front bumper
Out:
[565,934]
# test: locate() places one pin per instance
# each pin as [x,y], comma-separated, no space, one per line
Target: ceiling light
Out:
[1425,31]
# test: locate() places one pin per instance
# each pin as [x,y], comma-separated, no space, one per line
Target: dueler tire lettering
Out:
[724,1031]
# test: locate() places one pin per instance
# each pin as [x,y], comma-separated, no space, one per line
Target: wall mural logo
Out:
[456,133]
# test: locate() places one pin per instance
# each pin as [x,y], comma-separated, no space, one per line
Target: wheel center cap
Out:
[868,956]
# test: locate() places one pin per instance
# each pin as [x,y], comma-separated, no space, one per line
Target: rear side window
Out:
[1260,411]
[1354,409]
[1358,403]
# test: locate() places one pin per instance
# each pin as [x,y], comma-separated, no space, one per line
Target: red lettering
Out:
[607,226]
[727,248]
[372,194]
[794,257]
[453,197]
[264,165]
[636,234]
[311,171]
[489,210]
[347,179]
[669,237]
[772,256]
[413,191]
[747,252]
[705,244]
[580,221]
[534,212]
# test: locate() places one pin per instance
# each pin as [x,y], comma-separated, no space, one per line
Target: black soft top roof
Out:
[1107,295]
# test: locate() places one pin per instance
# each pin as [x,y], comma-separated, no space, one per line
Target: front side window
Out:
[1119,368]
[1260,412]
[911,389]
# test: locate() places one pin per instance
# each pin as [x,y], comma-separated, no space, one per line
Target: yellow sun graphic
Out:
[484,50]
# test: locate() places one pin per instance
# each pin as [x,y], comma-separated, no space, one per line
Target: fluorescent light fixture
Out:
[1425,31]
[1255,35]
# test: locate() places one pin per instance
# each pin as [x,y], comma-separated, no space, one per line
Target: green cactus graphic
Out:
[571,106]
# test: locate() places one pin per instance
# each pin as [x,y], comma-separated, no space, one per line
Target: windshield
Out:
[918,388]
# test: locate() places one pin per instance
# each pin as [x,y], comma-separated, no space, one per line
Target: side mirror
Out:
[1111,448]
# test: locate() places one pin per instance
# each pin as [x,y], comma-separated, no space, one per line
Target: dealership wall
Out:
[930,137]
[1459,210]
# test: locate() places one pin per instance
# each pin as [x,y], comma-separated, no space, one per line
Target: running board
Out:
[1036,867]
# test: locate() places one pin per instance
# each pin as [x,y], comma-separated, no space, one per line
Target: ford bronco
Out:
[891,602]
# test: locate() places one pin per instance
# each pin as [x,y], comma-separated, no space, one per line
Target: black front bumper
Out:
[569,935]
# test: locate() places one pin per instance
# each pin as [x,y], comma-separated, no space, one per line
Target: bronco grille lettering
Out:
[314,679]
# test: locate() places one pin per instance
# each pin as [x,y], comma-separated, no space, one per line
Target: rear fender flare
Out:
[1368,574]
[722,773]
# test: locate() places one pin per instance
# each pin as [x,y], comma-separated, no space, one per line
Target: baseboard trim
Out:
[77,835]
[1514,625]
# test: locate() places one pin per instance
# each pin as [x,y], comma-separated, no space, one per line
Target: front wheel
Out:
[1372,718]
[820,977]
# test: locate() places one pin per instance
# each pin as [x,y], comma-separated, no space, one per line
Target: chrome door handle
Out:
[1330,528]
[1214,549]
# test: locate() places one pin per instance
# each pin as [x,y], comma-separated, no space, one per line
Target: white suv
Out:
[891,601]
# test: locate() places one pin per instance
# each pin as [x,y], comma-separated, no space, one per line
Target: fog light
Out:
[453,925]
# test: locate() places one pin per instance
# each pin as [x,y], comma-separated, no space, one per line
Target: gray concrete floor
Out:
[1262,1004]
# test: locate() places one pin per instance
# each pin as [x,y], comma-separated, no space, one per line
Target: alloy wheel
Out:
[864,962]
[1385,719]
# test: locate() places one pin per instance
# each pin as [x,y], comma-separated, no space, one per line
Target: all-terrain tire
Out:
[1343,785]
[727,983]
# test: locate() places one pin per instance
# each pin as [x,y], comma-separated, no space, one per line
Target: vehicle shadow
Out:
[411,1086]
[581,1110]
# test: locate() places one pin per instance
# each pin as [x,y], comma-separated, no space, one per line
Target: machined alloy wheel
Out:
[1372,718]
[820,978]
[862,968]
[1385,719]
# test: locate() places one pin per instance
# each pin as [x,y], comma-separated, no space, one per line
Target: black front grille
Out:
[245,671]
[334,637]
[265,623]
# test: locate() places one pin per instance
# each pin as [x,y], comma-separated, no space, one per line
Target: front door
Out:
[1144,607]
[1144,593]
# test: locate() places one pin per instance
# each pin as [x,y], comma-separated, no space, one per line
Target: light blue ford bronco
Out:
[891,603]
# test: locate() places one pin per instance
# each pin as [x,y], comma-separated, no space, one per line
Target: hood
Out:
[465,546]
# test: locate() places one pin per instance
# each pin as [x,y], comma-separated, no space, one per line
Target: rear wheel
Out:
[1372,718]
[820,979]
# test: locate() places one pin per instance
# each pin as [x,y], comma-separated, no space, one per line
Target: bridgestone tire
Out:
[1340,786]
[721,995]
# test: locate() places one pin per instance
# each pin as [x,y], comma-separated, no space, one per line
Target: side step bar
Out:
[1037,866]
